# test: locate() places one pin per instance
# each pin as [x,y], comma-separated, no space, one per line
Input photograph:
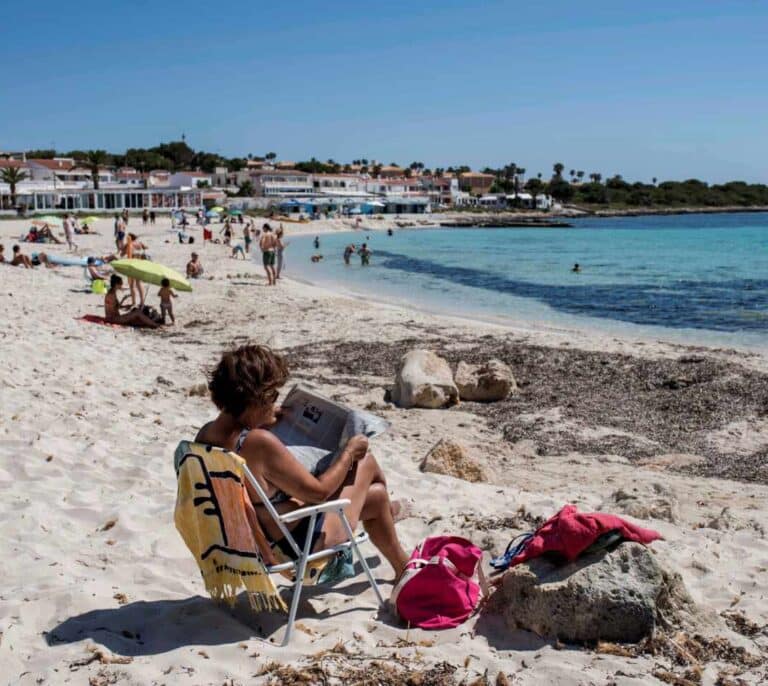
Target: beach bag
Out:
[441,584]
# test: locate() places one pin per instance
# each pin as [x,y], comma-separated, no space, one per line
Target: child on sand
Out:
[166,300]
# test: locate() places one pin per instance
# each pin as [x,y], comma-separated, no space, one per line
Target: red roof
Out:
[194,173]
[53,164]
[12,164]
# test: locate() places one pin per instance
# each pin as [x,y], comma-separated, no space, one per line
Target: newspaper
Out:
[315,429]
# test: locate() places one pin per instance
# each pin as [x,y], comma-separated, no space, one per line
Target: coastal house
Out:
[277,183]
[525,200]
[340,185]
[194,179]
[400,187]
[159,178]
[476,183]
[391,171]
[128,176]
[441,190]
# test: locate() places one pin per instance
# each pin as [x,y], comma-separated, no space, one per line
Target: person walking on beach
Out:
[280,248]
[145,217]
[152,217]
[227,231]
[119,233]
[268,246]
[125,217]
[166,300]
[69,231]
[247,237]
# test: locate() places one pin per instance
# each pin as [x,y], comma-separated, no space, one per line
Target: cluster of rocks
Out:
[424,379]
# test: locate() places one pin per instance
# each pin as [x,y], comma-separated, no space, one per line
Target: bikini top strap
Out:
[240,440]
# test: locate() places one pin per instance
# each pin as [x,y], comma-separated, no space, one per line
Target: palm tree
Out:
[270,156]
[654,179]
[580,175]
[95,159]
[12,176]
[535,187]
[572,173]
[377,169]
[558,168]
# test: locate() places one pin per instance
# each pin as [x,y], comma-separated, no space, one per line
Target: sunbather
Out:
[21,260]
[112,307]
[244,386]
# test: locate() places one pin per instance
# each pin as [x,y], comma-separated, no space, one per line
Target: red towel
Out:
[570,532]
[96,319]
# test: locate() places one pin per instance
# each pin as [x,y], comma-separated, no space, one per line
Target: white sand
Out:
[90,556]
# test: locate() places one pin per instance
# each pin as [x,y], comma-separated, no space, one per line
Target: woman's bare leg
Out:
[367,491]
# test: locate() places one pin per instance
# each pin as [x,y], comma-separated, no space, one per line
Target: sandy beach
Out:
[98,587]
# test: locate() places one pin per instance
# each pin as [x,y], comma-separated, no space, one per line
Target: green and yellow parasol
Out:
[150,272]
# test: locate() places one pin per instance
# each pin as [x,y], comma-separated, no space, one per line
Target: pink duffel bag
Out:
[441,584]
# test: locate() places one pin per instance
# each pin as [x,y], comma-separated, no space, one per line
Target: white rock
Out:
[484,382]
[424,380]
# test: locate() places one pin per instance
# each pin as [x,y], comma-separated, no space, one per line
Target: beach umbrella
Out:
[217,209]
[212,214]
[50,219]
[235,213]
[88,220]
[150,272]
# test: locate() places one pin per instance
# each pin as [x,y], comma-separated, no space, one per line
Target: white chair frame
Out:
[299,565]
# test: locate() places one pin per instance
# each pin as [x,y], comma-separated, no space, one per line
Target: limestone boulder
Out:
[449,457]
[424,379]
[486,382]
[652,501]
[619,596]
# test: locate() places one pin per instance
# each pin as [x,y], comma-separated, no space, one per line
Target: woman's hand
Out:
[357,447]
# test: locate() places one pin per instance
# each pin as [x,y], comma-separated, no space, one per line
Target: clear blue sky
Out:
[668,89]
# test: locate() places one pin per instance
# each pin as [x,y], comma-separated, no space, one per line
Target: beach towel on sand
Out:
[216,519]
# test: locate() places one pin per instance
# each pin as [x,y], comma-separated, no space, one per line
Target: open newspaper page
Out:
[315,428]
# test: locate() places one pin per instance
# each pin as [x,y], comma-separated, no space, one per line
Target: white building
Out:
[280,183]
[340,185]
[193,179]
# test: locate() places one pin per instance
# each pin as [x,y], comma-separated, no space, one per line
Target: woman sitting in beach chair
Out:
[244,387]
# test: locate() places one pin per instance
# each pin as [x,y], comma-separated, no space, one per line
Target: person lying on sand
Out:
[21,260]
[316,258]
[244,387]
[112,307]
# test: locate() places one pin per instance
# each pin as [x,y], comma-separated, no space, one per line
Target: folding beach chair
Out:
[235,465]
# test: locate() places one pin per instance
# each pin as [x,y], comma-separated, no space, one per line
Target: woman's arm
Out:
[284,471]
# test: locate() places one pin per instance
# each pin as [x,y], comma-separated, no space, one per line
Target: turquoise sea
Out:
[698,278]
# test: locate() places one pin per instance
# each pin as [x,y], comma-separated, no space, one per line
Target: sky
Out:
[671,90]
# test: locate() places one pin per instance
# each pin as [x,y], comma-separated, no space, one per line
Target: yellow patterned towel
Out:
[215,517]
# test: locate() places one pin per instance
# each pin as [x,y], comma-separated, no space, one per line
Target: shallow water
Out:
[700,277]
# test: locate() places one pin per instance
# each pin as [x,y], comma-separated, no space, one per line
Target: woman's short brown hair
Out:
[245,377]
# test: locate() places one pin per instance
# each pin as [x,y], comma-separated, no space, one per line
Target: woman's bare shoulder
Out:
[263,441]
